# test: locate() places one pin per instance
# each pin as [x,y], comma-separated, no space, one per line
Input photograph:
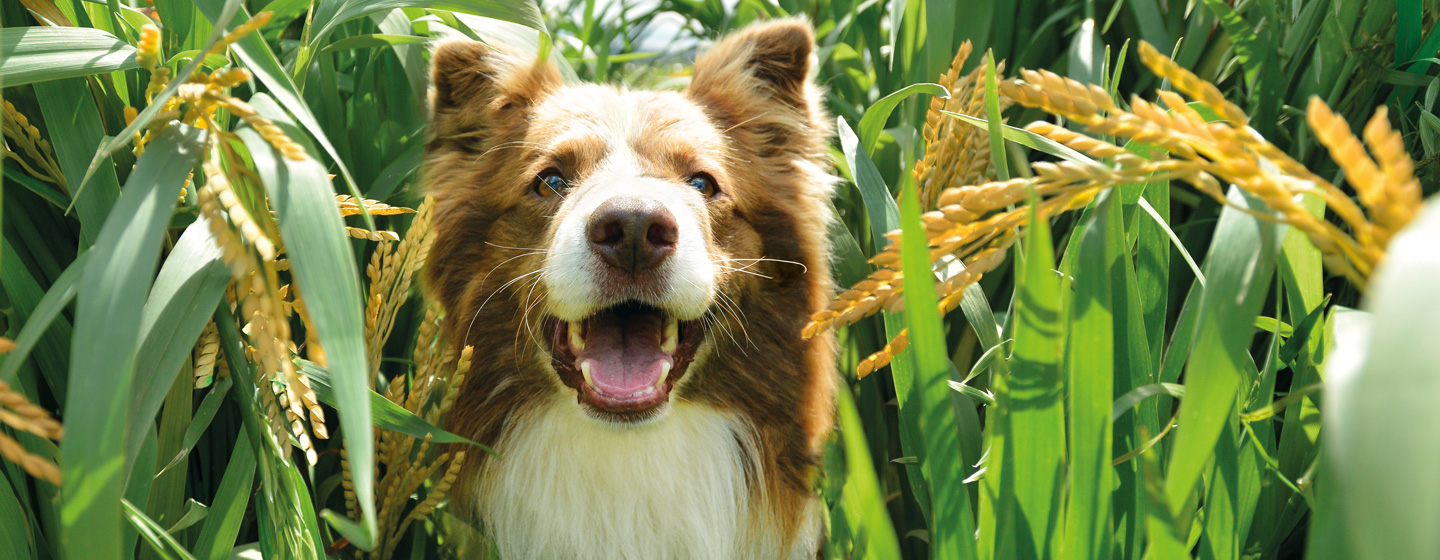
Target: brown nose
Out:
[632,234]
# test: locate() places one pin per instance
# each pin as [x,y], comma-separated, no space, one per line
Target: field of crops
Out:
[1165,283]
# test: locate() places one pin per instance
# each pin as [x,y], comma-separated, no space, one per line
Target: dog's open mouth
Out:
[623,361]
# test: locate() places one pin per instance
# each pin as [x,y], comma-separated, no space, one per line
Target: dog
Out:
[633,270]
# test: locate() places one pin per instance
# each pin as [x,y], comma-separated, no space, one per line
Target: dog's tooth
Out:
[672,336]
[585,371]
[664,373]
[577,340]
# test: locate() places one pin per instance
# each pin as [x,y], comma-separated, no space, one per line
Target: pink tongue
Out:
[624,352]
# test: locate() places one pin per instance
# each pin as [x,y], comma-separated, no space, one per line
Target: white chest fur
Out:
[569,486]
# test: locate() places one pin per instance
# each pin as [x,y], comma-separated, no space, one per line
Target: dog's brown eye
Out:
[704,183]
[550,183]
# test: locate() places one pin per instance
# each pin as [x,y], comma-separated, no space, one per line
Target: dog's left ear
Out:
[758,79]
[477,86]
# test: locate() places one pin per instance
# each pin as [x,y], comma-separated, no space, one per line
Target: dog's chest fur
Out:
[568,486]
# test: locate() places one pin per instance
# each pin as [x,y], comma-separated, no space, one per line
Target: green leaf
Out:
[385,414]
[1090,374]
[155,535]
[102,155]
[372,41]
[189,284]
[879,204]
[227,511]
[328,16]
[200,421]
[107,326]
[195,512]
[873,123]
[1302,272]
[884,216]
[52,350]
[331,14]
[14,525]
[38,54]
[324,269]
[953,525]
[863,493]
[992,120]
[1238,269]
[75,129]
[44,315]
[1028,139]
[1130,399]
[41,188]
[1379,409]
[1035,455]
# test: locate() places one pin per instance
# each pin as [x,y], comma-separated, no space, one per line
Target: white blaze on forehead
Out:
[573,270]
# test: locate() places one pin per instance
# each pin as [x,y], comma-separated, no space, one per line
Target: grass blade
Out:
[879,204]
[320,258]
[873,123]
[76,128]
[1090,373]
[384,414]
[256,56]
[992,120]
[1035,458]
[102,360]
[953,526]
[1238,269]
[43,317]
[863,492]
[222,524]
[189,284]
[38,54]
[154,534]
[14,525]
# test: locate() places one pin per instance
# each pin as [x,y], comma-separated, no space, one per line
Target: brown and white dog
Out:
[633,269]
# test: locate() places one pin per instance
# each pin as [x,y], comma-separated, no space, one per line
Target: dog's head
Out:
[605,242]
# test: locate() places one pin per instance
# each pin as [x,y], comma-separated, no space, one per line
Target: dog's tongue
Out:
[624,352]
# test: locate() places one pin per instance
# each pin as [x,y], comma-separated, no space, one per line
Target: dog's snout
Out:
[632,234]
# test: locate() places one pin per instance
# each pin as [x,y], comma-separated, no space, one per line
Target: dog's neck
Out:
[684,485]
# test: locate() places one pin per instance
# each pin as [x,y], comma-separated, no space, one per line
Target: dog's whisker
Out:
[734,308]
[744,271]
[802,266]
[535,249]
[745,122]
[502,263]
[492,295]
[525,320]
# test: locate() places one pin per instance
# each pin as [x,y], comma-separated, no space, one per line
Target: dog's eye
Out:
[550,183]
[703,183]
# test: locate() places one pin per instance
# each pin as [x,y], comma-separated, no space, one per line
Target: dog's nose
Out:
[632,234]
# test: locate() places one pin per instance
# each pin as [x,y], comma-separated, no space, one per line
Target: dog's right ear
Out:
[474,82]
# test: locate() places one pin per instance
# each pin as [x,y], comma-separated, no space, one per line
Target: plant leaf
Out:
[385,414]
[873,123]
[107,326]
[38,54]
[324,270]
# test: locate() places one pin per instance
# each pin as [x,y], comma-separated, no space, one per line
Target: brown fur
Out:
[752,119]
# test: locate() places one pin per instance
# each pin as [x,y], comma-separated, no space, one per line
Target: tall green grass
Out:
[1156,376]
